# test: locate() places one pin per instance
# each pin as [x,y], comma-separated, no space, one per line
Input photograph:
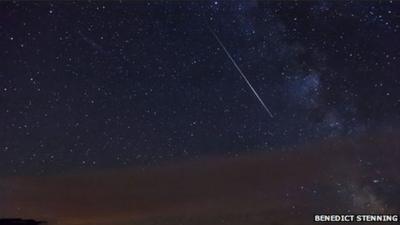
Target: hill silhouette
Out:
[16,221]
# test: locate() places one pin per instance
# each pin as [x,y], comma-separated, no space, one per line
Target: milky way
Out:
[93,87]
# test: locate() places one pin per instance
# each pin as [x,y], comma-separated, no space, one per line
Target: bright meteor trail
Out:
[241,73]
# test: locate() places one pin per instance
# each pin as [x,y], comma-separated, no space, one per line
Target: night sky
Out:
[97,93]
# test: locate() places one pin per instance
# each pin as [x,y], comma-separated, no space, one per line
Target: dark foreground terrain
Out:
[15,221]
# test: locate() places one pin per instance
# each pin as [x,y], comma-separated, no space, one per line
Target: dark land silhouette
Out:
[16,221]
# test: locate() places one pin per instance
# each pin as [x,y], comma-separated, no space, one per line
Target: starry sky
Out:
[114,88]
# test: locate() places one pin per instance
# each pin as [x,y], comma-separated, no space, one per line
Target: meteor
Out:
[241,73]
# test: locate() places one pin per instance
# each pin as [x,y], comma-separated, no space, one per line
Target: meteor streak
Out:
[241,73]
